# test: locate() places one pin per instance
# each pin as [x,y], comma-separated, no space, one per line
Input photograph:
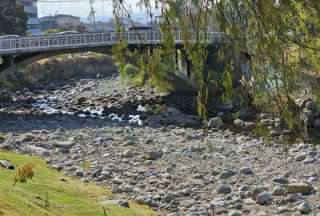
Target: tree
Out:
[280,37]
[13,19]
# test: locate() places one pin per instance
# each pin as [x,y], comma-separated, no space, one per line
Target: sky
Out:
[81,8]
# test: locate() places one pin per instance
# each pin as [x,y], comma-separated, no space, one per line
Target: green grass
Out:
[50,193]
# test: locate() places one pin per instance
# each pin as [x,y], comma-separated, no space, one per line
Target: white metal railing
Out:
[41,43]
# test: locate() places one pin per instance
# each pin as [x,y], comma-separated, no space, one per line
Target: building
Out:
[98,27]
[62,21]
[48,22]
[30,7]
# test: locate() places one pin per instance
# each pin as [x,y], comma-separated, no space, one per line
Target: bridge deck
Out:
[87,40]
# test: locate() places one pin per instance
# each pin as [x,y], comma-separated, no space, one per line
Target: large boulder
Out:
[181,83]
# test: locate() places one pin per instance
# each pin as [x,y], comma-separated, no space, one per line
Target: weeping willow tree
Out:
[280,37]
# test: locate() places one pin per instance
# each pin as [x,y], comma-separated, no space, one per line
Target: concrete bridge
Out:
[26,50]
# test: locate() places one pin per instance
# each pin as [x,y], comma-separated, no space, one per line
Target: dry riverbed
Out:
[95,129]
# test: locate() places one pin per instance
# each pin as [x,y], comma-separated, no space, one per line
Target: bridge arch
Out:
[14,61]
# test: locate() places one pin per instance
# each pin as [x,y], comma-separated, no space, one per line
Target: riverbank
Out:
[169,161]
[51,193]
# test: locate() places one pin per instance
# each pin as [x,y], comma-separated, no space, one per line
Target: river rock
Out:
[120,202]
[246,171]
[267,122]
[295,197]
[234,213]
[215,122]
[239,123]
[304,208]
[224,189]
[280,180]
[283,209]
[7,164]
[263,198]
[34,150]
[145,200]
[278,191]
[300,156]
[227,174]
[154,154]
[303,188]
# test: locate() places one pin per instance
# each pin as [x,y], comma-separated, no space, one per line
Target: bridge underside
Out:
[212,62]
[21,60]
[26,59]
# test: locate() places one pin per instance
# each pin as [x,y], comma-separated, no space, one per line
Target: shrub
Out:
[131,70]
[23,173]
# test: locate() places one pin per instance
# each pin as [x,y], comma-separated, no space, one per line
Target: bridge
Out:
[25,50]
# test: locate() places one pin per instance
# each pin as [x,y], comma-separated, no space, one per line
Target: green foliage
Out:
[13,19]
[158,70]
[280,38]
[260,131]
[117,52]
[158,108]
[130,70]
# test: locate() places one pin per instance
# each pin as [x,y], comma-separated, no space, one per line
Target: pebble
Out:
[215,122]
[280,180]
[304,208]
[122,203]
[303,188]
[154,154]
[278,191]
[224,189]
[246,171]
[263,198]
[7,164]
[227,174]
[235,213]
[300,156]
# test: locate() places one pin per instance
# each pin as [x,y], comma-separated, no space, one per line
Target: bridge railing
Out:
[30,44]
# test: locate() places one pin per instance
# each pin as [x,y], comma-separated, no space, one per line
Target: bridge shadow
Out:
[26,120]
[24,123]
[55,74]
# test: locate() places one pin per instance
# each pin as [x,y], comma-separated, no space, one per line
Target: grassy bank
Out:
[50,193]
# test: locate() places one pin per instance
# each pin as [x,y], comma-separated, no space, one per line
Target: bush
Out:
[23,173]
[131,70]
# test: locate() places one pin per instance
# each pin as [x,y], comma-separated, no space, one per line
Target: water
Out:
[47,105]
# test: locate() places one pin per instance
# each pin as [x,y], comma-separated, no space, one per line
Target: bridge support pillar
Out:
[6,62]
[184,63]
